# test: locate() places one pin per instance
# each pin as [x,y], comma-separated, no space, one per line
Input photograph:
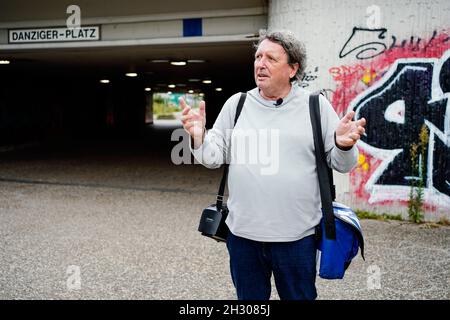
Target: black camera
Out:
[212,223]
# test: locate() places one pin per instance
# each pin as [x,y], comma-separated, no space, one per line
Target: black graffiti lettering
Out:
[408,85]
[444,77]
[308,77]
[441,166]
[370,43]
[417,47]
[431,40]
[367,49]
[394,41]
[399,86]
[394,45]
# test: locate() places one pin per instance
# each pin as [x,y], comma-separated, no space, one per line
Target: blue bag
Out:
[339,233]
[335,255]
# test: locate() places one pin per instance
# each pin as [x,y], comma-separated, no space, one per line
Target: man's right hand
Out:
[194,122]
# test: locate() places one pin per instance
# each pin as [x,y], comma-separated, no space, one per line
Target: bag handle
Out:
[324,172]
[219,201]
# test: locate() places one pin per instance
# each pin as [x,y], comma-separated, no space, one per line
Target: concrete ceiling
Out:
[225,63]
[22,10]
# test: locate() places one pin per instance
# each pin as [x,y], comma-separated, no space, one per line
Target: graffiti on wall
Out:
[309,77]
[368,43]
[398,87]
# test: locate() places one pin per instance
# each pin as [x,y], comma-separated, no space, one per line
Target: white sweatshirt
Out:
[273,185]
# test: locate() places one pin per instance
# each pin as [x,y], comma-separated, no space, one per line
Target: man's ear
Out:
[294,68]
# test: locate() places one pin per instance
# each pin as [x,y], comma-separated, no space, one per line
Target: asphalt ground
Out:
[118,220]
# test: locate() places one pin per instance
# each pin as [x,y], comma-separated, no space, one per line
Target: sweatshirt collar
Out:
[271,103]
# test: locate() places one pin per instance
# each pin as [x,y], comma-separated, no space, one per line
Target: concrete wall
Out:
[390,62]
[137,20]
[115,10]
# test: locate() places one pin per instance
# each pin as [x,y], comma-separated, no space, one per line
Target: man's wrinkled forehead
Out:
[268,46]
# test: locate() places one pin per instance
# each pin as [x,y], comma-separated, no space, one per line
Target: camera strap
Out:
[223,182]
[327,188]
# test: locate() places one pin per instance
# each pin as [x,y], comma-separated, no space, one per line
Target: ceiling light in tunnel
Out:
[196,61]
[104,81]
[178,63]
[194,80]
[5,62]
[131,74]
[171,86]
[218,89]
[148,89]
[201,94]
[191,91]
[158,60]
[169,92]
[207,81]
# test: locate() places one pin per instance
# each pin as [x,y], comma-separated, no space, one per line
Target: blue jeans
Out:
[293,265]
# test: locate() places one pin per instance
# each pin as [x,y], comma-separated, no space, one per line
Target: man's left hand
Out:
[349,131]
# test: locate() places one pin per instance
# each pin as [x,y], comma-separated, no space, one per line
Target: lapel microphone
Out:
[278,102]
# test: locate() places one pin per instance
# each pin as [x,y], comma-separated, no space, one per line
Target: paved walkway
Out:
[120,223]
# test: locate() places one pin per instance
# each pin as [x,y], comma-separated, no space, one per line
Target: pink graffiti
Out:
[353,79]
[341,73]
[350,78]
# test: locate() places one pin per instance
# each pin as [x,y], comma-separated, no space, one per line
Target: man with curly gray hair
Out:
[273,213]
[295,50]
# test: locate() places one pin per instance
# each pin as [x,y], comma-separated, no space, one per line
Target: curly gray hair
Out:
[294,48]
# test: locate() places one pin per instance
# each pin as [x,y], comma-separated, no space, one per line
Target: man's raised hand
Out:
[194,121]
[349,131]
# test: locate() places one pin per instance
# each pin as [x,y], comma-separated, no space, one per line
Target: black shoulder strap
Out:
[219,201]
[323,170]
[239,106]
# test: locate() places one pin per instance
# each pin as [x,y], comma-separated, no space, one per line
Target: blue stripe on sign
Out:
[192,27]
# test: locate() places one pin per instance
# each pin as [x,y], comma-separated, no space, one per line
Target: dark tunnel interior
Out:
[53,100]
